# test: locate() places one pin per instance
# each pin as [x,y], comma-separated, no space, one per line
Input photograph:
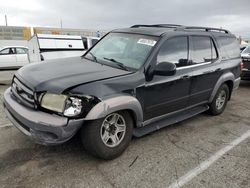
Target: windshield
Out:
[126,50]
[246,50]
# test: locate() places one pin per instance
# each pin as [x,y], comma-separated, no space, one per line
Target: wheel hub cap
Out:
[221,99]
[113,130]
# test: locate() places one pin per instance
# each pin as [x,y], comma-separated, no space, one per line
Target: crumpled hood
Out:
[61,74]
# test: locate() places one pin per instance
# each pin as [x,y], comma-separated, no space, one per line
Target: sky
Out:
[110,14]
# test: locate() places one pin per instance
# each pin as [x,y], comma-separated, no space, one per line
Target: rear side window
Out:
[203,50]
[174,50]
[230,47]
[21,50]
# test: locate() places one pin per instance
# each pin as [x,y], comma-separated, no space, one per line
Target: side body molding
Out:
[229,76]
[116,103]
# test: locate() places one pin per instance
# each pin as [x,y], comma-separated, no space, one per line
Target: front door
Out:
[166,94]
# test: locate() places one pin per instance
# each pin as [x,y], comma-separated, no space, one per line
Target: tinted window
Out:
[174,50]
[230,47]
[203,50]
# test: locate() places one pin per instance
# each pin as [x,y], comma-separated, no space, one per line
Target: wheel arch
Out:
[227,78]
[117,103]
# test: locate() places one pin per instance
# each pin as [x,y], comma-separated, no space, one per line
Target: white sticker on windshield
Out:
[147,42]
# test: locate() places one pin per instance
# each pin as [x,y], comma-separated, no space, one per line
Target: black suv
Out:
[132,82]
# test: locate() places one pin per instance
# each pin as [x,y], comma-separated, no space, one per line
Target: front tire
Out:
[219,102]
[108,137]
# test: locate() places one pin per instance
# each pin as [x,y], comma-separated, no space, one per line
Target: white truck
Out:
[46,46]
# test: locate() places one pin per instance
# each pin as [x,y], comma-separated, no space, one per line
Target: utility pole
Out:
[6,22]
[61,23]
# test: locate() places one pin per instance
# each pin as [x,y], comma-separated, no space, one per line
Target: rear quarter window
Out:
[230,47]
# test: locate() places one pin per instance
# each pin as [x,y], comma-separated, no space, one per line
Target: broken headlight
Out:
[70,106]
[73,107]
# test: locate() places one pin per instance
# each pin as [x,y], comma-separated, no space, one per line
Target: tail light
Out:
[241,66]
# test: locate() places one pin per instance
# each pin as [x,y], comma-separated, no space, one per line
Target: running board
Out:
[169,120]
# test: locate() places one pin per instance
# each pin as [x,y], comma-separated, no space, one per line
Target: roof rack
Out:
[182,27]
[157,25]
[204,29]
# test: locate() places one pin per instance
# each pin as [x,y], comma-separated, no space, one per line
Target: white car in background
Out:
[245,54]
[13,57]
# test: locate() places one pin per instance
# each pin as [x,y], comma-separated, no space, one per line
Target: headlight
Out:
[73,107]
[69,106]
[54,102]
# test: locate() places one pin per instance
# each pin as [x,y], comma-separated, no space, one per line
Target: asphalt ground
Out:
[204,151]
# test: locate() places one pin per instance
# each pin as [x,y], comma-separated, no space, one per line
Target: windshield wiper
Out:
[94,57]
[121,65]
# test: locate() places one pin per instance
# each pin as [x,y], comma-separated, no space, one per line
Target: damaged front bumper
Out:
[44,128]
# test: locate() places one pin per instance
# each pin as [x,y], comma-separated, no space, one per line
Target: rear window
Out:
[230,47]
[203,50]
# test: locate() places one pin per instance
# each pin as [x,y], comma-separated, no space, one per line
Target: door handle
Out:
[207,72]
[185,77]
[219,69]
[211,71]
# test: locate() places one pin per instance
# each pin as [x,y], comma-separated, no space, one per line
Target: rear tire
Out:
[108,137]
[219,102]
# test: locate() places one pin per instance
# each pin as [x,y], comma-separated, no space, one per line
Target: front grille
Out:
[23,94]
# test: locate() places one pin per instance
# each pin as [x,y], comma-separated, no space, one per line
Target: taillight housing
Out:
[241,66]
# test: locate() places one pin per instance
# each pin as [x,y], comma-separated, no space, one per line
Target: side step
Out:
[169,120]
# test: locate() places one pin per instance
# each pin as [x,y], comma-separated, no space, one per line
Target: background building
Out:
[12,35]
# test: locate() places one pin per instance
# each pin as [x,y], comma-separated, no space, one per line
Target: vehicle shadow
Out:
[245,83]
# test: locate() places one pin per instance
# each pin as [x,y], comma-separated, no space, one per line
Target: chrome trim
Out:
[19,84]
[175,78]
[191,66]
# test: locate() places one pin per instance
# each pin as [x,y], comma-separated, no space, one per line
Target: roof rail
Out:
[182,27]
[204,28]
[157,25]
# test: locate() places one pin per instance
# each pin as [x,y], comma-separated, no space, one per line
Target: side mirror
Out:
[165,69]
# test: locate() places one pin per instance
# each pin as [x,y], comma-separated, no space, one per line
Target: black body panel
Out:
[191,86]
[59,75]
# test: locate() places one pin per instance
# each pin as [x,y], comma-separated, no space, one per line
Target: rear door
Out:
[205,69]
[7,58]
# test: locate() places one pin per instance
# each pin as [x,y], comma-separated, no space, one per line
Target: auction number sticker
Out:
[147,42]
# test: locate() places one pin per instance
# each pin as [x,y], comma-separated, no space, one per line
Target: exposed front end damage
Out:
[43,128]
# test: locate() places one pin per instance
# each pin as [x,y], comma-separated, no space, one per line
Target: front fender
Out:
[117,103]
